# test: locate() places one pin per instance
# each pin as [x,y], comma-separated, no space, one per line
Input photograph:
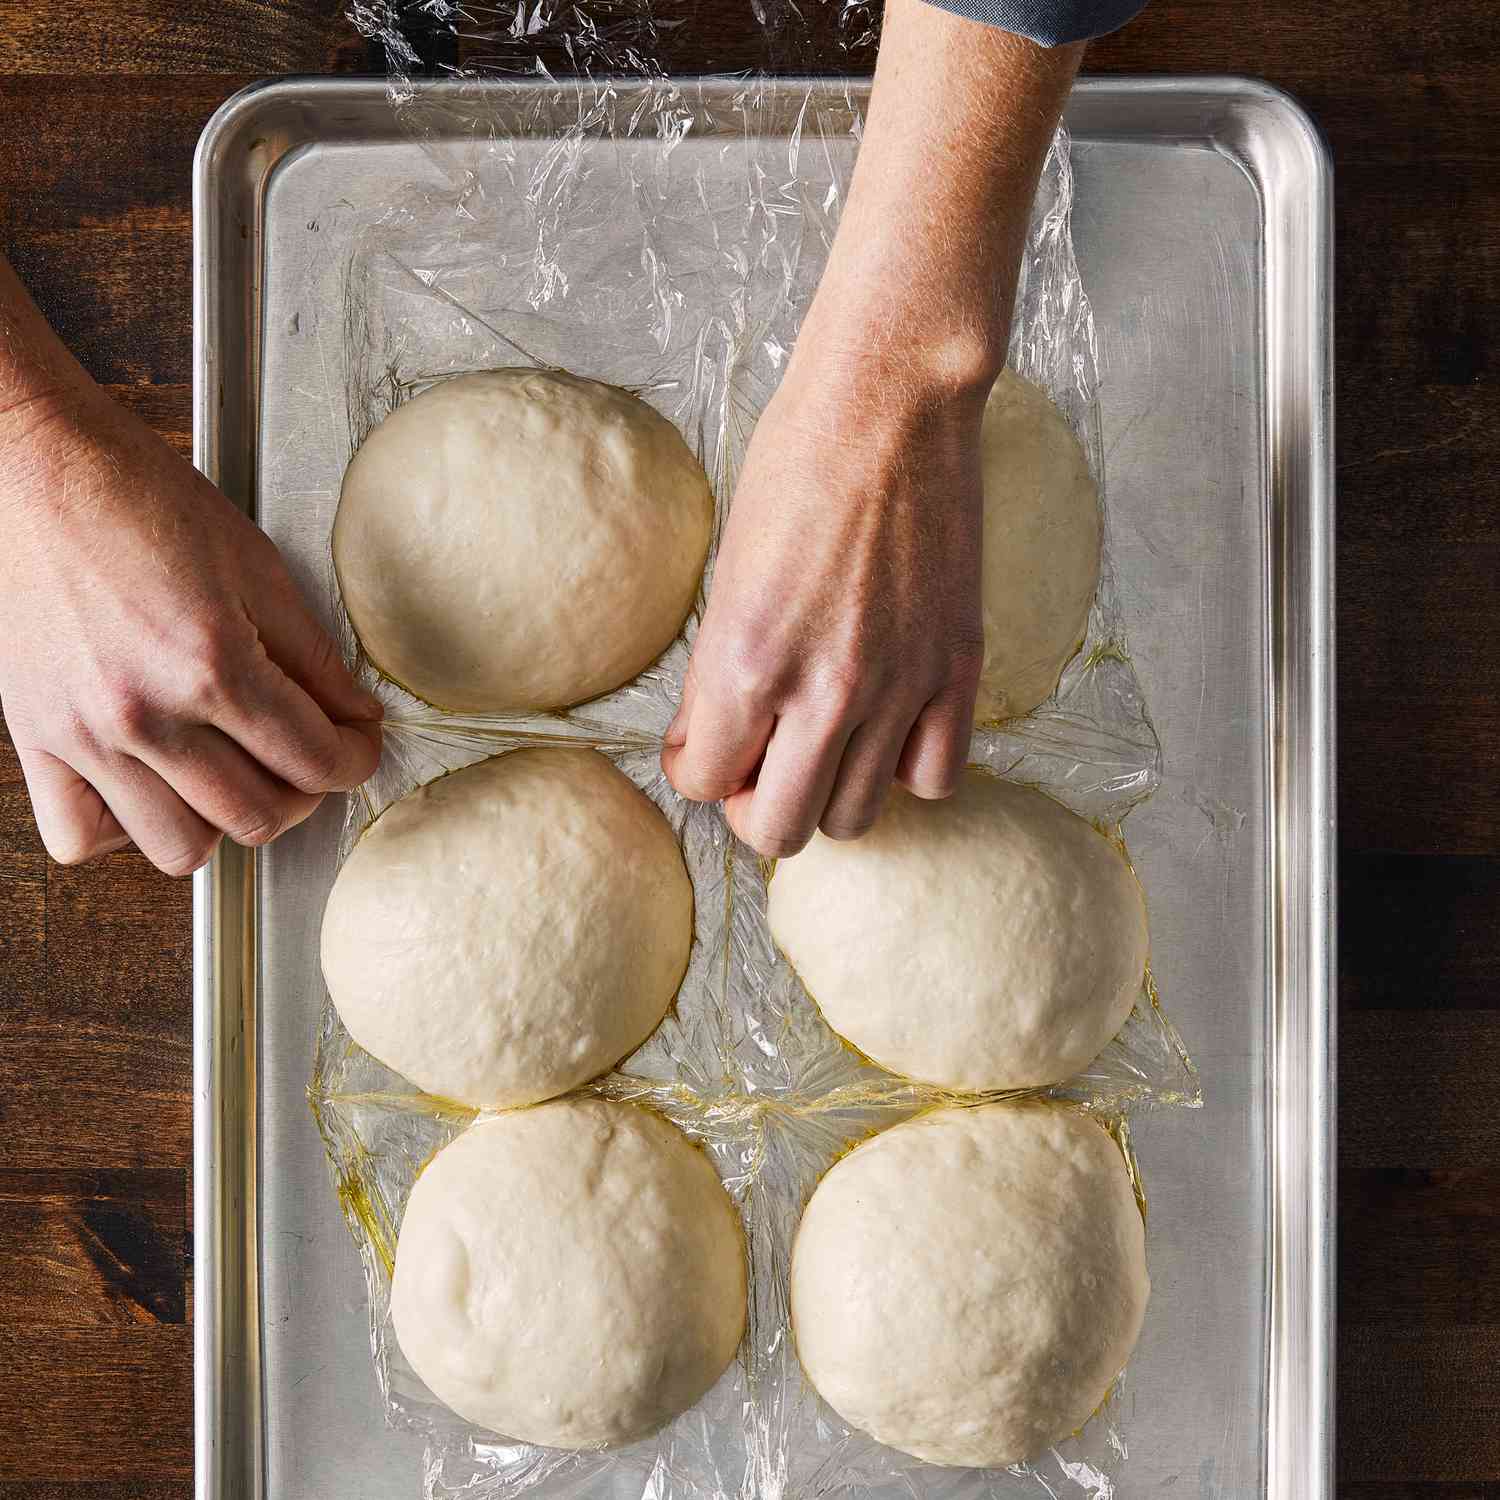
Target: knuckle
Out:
[934,777]
[753,671]
[318,769]
[129,716]
[323,657]
[777,845]
[697,785]
[932,789]
[214,666]
[853,814]
[257,826]
[840,683]
[185,859]
[70,848]
[845,828]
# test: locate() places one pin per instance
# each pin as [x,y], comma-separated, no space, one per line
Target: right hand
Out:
[842,642]
[163,681]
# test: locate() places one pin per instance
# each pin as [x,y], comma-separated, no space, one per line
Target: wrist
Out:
[934,328]
[42,435]
[898,355]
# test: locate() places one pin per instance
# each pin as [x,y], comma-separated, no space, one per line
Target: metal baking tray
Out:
[1202,227]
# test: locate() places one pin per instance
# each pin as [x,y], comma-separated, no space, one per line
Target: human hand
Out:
[842,642]
[843,639]
[162,679]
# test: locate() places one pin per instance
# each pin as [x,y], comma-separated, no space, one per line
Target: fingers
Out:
[937,748]
[823,773]
[865,776]
[310,657]
[71,816]
[226,788]
[715,742]
[237,747]
[277,723]
[780,812]
[172,803]
[160,824]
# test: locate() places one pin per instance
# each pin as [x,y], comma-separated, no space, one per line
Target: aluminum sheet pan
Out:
[1202,229]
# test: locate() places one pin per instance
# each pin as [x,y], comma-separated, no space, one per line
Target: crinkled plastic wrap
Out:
[668,237]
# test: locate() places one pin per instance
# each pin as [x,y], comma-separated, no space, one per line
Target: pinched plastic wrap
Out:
[669,239]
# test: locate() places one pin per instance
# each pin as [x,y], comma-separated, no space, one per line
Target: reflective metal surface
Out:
[1203,234]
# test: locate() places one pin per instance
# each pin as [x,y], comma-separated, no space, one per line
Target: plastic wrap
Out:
[659,241]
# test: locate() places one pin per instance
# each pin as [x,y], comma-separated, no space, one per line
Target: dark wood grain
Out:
[1418,931]
[96,1403]
[18,835]
[1416,1089]
[1420,1242]
[101,110]
[151,37]
[73,172]
[82,1248]
[109,259]
[95,1095]
[163,1489]
[1438,1402]
[120,292]
[23,924]
[1400,1489]
[131,960]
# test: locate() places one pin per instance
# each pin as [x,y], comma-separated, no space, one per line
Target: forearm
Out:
[923,270]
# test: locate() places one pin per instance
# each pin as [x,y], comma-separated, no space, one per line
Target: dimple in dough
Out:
[966,1286]
[520,540]
[1041,548]
[570,1274]
[993,940]
[510,931]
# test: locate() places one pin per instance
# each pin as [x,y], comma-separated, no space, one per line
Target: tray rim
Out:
[1289,163]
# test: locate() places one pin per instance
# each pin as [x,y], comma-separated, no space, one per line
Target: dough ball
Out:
[510,931]
[990,941]
[966,1286]
[520,540]
[1041,548]
[570,1274]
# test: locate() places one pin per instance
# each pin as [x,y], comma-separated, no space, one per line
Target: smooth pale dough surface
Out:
[570,1274]
[1041,548]
[520,540]
[510,931]
[966,1286]
[993,940]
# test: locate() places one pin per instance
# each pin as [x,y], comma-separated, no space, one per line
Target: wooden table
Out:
[100,105]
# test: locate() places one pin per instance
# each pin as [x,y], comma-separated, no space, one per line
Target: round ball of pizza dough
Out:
[569,1275]
[966,1286]
[510,931]
[1041,548]
[994,940]
[520,540]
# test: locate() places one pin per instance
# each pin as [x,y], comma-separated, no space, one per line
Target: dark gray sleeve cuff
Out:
[1050,23]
